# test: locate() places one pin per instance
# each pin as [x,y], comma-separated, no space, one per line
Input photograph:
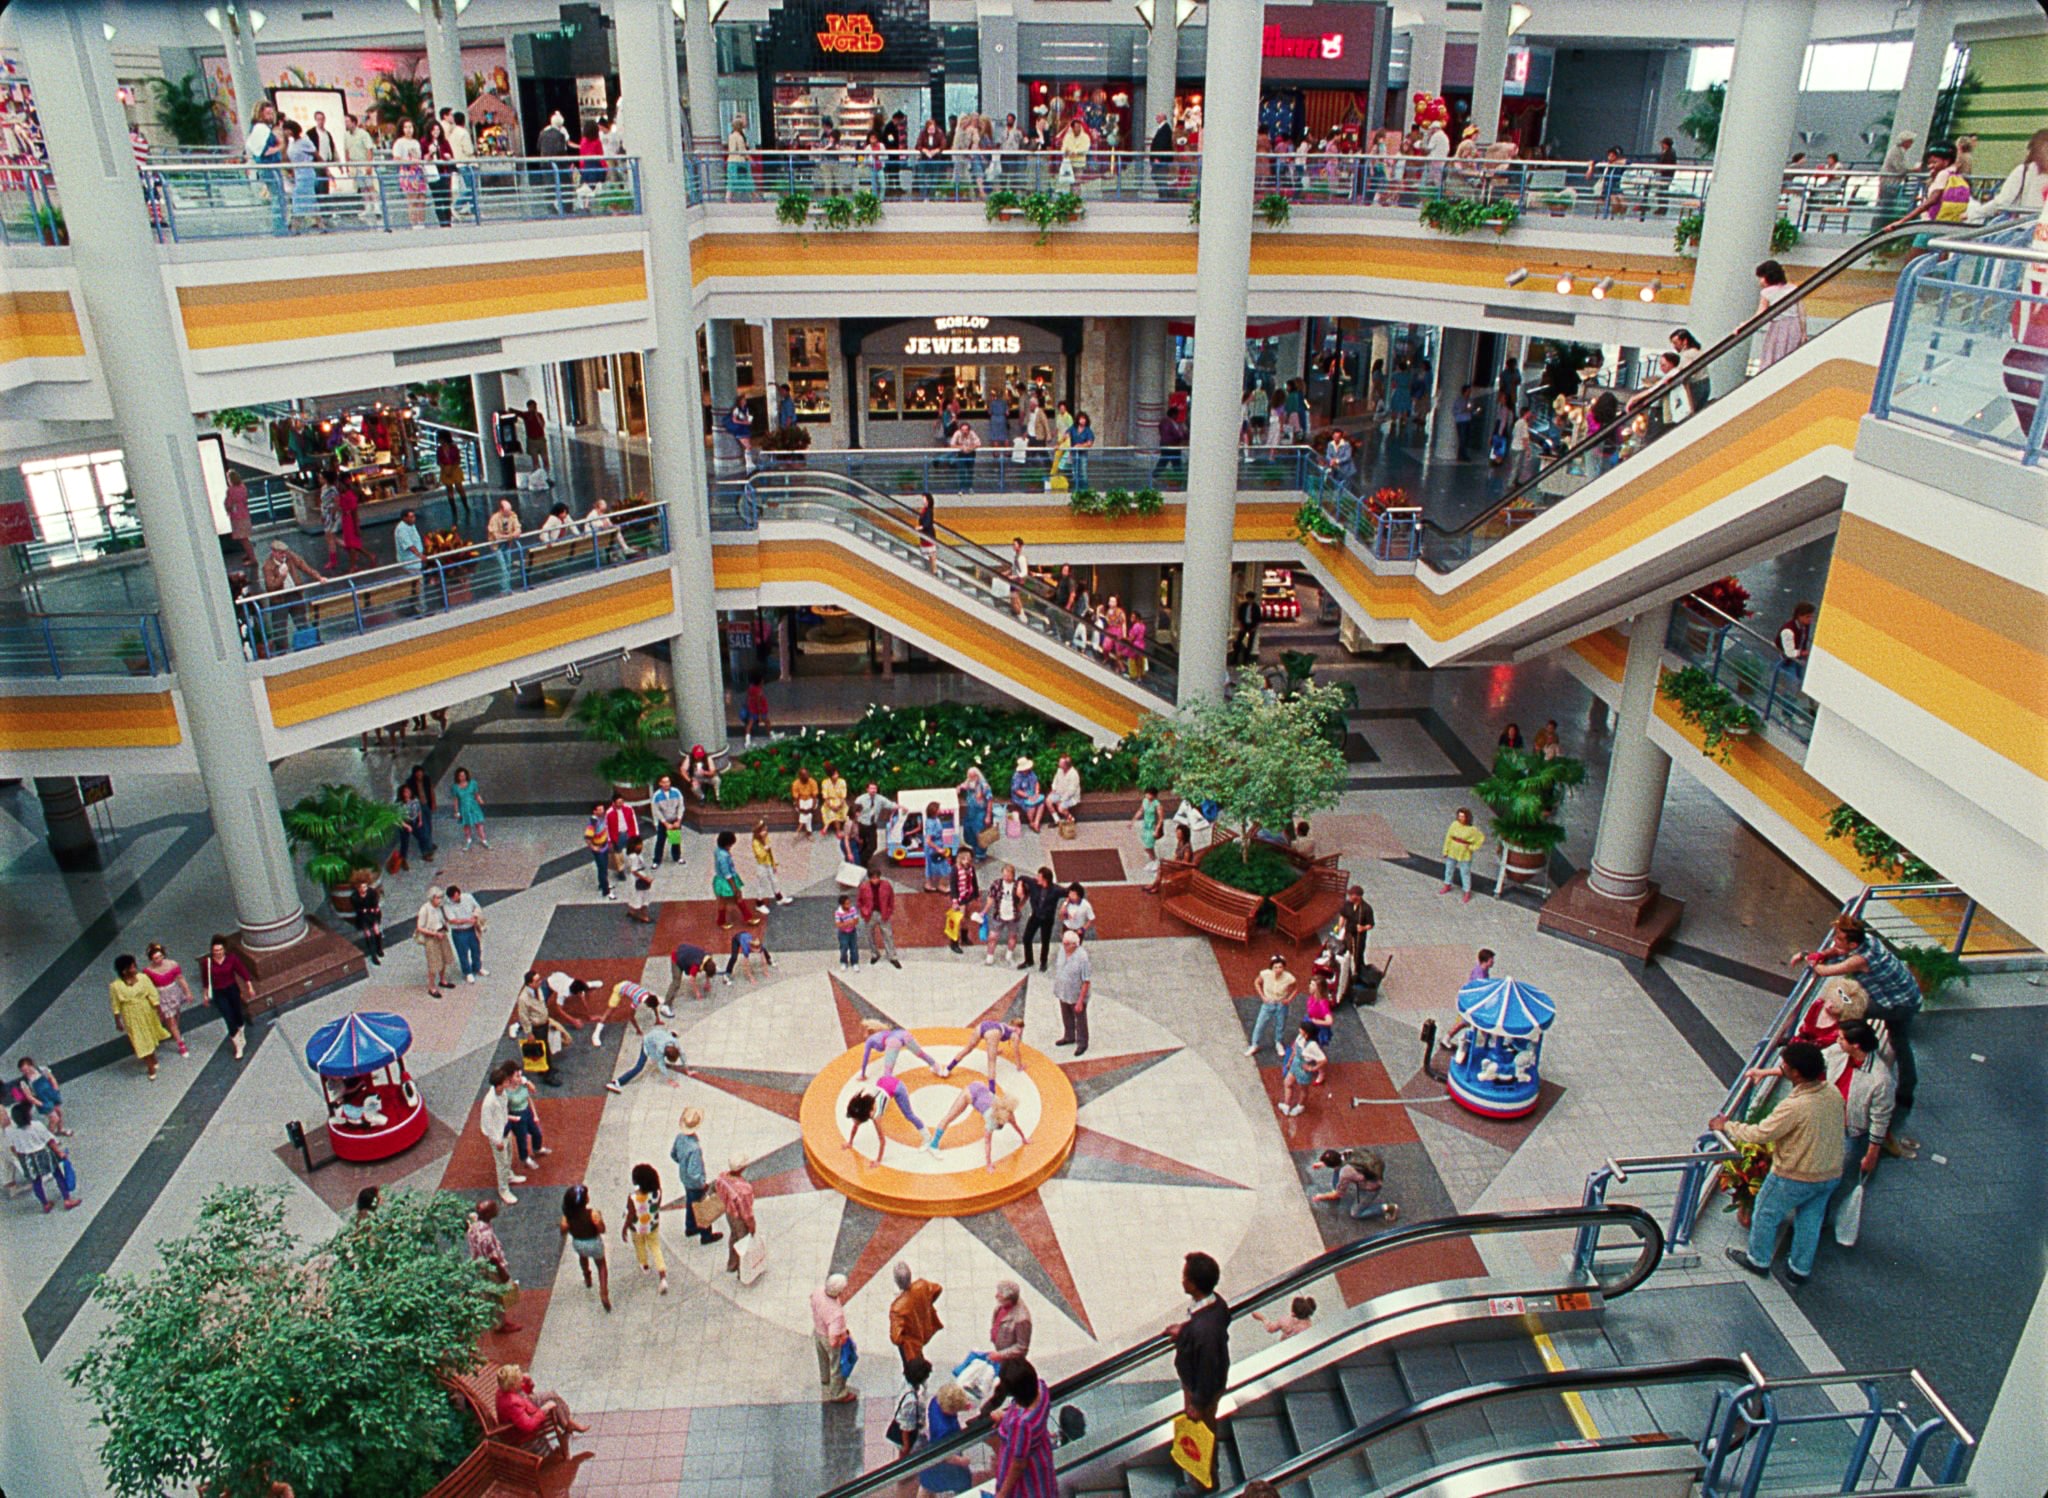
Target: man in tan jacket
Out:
[1804,1135]
[913,1314]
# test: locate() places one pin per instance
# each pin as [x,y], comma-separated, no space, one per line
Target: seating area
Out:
[477,1392]
[1300,912]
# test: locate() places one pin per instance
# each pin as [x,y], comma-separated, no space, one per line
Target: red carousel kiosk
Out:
[374,1109]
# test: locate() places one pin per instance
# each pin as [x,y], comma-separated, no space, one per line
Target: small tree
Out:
[1703,121]
[1524,792]
[627,719]
[181,108]
[249,1356]
[1264,759]
[345,830]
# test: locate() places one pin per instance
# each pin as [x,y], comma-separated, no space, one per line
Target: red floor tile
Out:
[530,1310]
[1240,962]
[1330,1121]
[1417,1264]
[568,1127]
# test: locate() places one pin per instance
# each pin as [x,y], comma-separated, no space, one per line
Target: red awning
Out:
[1270,328]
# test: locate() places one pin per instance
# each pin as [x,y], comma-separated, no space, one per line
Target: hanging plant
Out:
[1274,210]
[793,209]
[237,421]
[1709,707]
[1052,210]
[1884,857]
[867,209]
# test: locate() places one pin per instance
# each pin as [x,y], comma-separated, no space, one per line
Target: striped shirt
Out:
[1025,1440]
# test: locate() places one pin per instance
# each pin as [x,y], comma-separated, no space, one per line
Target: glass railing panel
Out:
[31,213]
[1968,352]
[1747,663]
[304,618]
[998,470]
[53,647]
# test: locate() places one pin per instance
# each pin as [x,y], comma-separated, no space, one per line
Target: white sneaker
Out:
[785,900]
[597,1036]
[989,960]
[469,977]
[517,1180]
[508,1198]
[1251,1050]
[728,979]
[667,1011]
[483,972]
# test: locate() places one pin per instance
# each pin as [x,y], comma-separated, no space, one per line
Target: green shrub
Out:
[1685,234]
[1274,210]
[793,209]
[1261,869]
[1709,707]
[1524,793]
[1463,215]
[1311,524]
[1148,501]
[1933,968]
[1885,859]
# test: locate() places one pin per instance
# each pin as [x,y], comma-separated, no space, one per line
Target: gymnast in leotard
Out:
[868,1107]
[995,1034]
[892,1043]
[998,1111]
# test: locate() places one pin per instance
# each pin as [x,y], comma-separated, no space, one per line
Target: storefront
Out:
[1319,64]
[907,371]
[848,64]
[1272,351]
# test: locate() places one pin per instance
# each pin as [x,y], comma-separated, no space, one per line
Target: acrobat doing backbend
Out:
[892,1043]
[869,1106]
[995,1034]
[998,1111]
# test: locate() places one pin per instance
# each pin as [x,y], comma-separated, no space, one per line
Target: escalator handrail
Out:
[1561,1382]
[793,482]
[1690,373]
[1543,1219]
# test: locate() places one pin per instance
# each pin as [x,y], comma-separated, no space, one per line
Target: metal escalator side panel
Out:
[1665,1468]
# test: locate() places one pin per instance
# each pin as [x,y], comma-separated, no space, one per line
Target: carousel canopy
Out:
[1505,1006]
[358,1043]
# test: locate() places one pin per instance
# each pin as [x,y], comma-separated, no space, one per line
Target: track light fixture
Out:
[1649,292]
[1564,284]
[1601,287]
[1517,276]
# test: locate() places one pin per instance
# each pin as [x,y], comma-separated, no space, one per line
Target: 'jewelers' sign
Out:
[959,335]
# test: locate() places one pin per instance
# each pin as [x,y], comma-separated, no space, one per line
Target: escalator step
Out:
[1262,1442]
[1434,1369]
[1372,1390]
[1523,1421]
[1316,1418]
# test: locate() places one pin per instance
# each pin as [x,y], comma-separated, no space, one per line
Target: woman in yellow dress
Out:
[833,791]
[135,1011]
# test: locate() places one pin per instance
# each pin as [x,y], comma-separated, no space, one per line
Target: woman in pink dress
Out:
[1787,330]
[173,993]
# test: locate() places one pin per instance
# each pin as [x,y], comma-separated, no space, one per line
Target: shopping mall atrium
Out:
[1032,747]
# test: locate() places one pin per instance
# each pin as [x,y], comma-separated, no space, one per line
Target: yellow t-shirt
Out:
[763,854]
[1461,842]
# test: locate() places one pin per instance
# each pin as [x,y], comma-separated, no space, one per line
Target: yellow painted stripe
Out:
[1573,1403]
[871,586]
[112,721]
[274,311]
[372,675]
[39,325]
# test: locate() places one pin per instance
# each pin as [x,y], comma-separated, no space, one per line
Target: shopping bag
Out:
[753,1257]
[988,836]
[675,837]
[1014,827]
[953,924]
[1194,1449]
[1849,1221]
[706,1211]
[976,1373]
[849,1355]
[850,875]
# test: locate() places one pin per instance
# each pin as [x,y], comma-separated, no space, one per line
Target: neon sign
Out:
[1329,47]
[855,34]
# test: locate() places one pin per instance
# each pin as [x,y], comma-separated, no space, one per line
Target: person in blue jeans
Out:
[1804,1135]
[597,837]
[1082,440]
[1275,988]
[661,1046]
[846,922]
[688,1154]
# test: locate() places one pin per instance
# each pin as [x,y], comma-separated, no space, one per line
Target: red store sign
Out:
[1331,43]
[1329,47]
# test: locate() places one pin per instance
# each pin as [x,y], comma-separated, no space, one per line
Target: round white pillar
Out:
[700,59]
[444,55]
[1637,770]
[1489,68]
[1933,28]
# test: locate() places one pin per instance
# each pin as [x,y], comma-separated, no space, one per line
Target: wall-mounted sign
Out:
[844,33]
[1329,46]
[593,97]
[962,335]
[1329,42]
[850,36]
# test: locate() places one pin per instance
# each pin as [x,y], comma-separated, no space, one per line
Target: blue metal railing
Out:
[1967,351]
[1749,664]
[302,618]
[1894,1447]
[30,212]
[995,469]
[248,200]
[1693,1173]
[57,646]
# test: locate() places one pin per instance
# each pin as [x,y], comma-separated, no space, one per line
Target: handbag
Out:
[706,1211]
[849,1355]
[1194,1449]
[1849,1220]
[1067,831]
[988,836]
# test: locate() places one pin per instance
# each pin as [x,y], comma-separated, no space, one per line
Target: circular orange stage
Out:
[952,1181]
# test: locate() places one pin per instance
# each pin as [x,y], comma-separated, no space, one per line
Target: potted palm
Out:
[347,833]
[1524,793]
[627,719]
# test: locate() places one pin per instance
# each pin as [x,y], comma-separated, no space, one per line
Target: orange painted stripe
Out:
[39,325]
[372,675]
[110,721]
[829,564]
[274,311]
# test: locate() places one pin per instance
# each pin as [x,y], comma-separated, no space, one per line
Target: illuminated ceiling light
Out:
[1564,284]
[230,19]
[1601,287]
[1649,292]
[106,31]
[717,8]
[460,6]
[1518,17]
[1144,8]
[1517,276]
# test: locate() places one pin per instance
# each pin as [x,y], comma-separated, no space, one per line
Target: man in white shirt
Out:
[465,928]
[668,819]
[492,1117]
[1066,790]
[464,146]
[326,150]
[266,152]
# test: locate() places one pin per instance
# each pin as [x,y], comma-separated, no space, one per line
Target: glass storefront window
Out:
[922,389]
[882,393]
[807,373]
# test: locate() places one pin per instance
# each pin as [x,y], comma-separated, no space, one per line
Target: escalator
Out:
[1716,466]
[1407,1383]
[828,537]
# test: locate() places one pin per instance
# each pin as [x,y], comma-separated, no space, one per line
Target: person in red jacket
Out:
[531,1414]
[877,905]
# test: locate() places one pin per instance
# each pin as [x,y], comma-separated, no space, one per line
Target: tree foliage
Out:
[1524,792]
[183,109]
[250,1356]
[1263,758]
[1703,121]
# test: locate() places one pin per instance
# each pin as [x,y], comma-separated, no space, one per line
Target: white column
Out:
[652,103]
[700,58]
[1149,383]
[114,256]
[1633,802]
[243,71]
[1455,351]
[995,23]
[771,369]
[1933,28]
[1230,125]
[1425,62]
[1489,69]
[1162,72]
[444,55]
[725,389]
[1749,165]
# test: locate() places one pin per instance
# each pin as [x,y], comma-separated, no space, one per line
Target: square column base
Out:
[284,975]
[1634,928]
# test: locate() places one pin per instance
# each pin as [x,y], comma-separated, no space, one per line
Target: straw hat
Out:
[692,1117]
[1023,763]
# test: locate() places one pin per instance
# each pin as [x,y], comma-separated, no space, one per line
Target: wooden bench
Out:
[381,598]
[1187,895]
[557,556]
[477,1392]
[1313,903]
[493,1470]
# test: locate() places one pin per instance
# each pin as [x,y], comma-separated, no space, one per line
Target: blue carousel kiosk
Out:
[1496,1057]
[374,1110]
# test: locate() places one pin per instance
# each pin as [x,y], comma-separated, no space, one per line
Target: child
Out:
[1302,1069]
[522,1122]
[41,1158]
[938,861]
[638,883]
[642,1226]
[907,1426]
[764,859]
[746,946]
[846,921]
[1482,970]
[1299,1314]
[469,810]
[1147,819]
[1359,1170]
[39,1083]
[803,791]
[754,711]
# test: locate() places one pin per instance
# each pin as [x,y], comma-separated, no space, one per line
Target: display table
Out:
[386,489]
